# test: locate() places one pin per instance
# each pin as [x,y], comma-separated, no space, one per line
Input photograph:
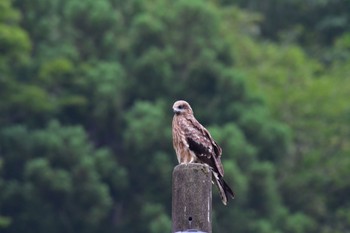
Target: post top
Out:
[191,230]
[192,166]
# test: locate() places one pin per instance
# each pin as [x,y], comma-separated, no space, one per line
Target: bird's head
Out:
[181,107]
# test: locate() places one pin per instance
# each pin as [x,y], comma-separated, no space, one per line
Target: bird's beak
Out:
[176,110]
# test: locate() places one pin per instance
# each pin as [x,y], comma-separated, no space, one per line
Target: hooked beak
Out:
[176,110]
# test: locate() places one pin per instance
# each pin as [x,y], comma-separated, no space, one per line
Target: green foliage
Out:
[86,89]
[157,221]
[61,183]
[14,41]
[148,114]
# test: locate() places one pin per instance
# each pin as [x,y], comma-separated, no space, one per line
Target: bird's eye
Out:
[181,106]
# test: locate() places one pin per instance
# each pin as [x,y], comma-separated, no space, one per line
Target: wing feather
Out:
[203,145]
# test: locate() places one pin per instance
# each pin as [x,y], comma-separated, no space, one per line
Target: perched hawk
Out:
[194,144]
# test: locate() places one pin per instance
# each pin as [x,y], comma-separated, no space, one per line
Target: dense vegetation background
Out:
[86,89]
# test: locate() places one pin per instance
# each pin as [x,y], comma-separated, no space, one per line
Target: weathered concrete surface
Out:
[191,198]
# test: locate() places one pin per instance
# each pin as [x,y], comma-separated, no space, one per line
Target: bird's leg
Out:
[192,159]
[183,161]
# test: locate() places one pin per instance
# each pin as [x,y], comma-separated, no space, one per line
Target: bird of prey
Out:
[194,144]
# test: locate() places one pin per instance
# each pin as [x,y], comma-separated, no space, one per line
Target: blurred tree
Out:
[110,70]
[310,21]
[311,100]
[54,180]
[14,42]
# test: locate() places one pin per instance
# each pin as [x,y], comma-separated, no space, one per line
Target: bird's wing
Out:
[203,145]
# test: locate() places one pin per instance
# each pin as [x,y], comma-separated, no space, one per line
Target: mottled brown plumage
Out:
[193,143]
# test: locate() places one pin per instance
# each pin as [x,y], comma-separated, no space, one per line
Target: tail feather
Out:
[224,190]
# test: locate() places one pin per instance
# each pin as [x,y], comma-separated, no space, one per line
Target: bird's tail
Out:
[224,190]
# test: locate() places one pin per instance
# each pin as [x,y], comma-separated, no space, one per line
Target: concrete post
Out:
[191,198]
